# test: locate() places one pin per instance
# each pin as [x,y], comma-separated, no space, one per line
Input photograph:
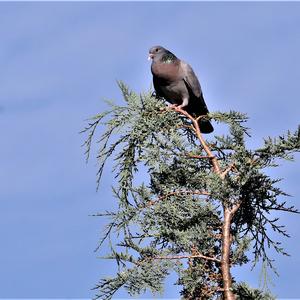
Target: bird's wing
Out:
[190,79]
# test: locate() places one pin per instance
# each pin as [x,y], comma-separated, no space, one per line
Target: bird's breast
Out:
[166,72]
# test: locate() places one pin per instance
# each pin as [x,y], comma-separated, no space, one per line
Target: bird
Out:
[176,82]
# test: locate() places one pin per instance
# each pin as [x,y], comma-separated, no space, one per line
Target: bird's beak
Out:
[150,56]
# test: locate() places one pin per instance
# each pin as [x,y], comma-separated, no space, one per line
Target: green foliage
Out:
[177,211]
[244,292]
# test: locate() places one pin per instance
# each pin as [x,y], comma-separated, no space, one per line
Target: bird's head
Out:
[156,51]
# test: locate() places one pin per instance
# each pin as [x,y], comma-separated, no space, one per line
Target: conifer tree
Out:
[204,206]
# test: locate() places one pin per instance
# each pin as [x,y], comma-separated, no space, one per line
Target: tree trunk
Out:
[225,264]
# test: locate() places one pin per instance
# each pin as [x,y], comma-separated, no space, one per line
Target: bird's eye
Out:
[156,49]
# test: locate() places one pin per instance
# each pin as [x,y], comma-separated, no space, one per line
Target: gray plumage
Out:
[175,80]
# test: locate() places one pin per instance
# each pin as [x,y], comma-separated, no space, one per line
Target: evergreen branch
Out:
[189,256]
[91,128]
[109,286]
[286,209]
[145,136]
[280,147]
[109,228]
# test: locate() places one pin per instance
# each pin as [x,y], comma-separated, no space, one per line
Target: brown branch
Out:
[213,159]
[198,118]
[235,208]
[225,257]
[228,214]
[197,156]
[177,193]
[227,170]
[189,256]
[185,126]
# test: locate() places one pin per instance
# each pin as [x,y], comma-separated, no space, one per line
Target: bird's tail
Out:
[205,126]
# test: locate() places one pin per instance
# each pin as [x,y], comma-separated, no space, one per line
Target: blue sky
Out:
[58,61]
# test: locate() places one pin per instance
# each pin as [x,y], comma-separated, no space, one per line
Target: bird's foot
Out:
[173,106]
[181,106]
